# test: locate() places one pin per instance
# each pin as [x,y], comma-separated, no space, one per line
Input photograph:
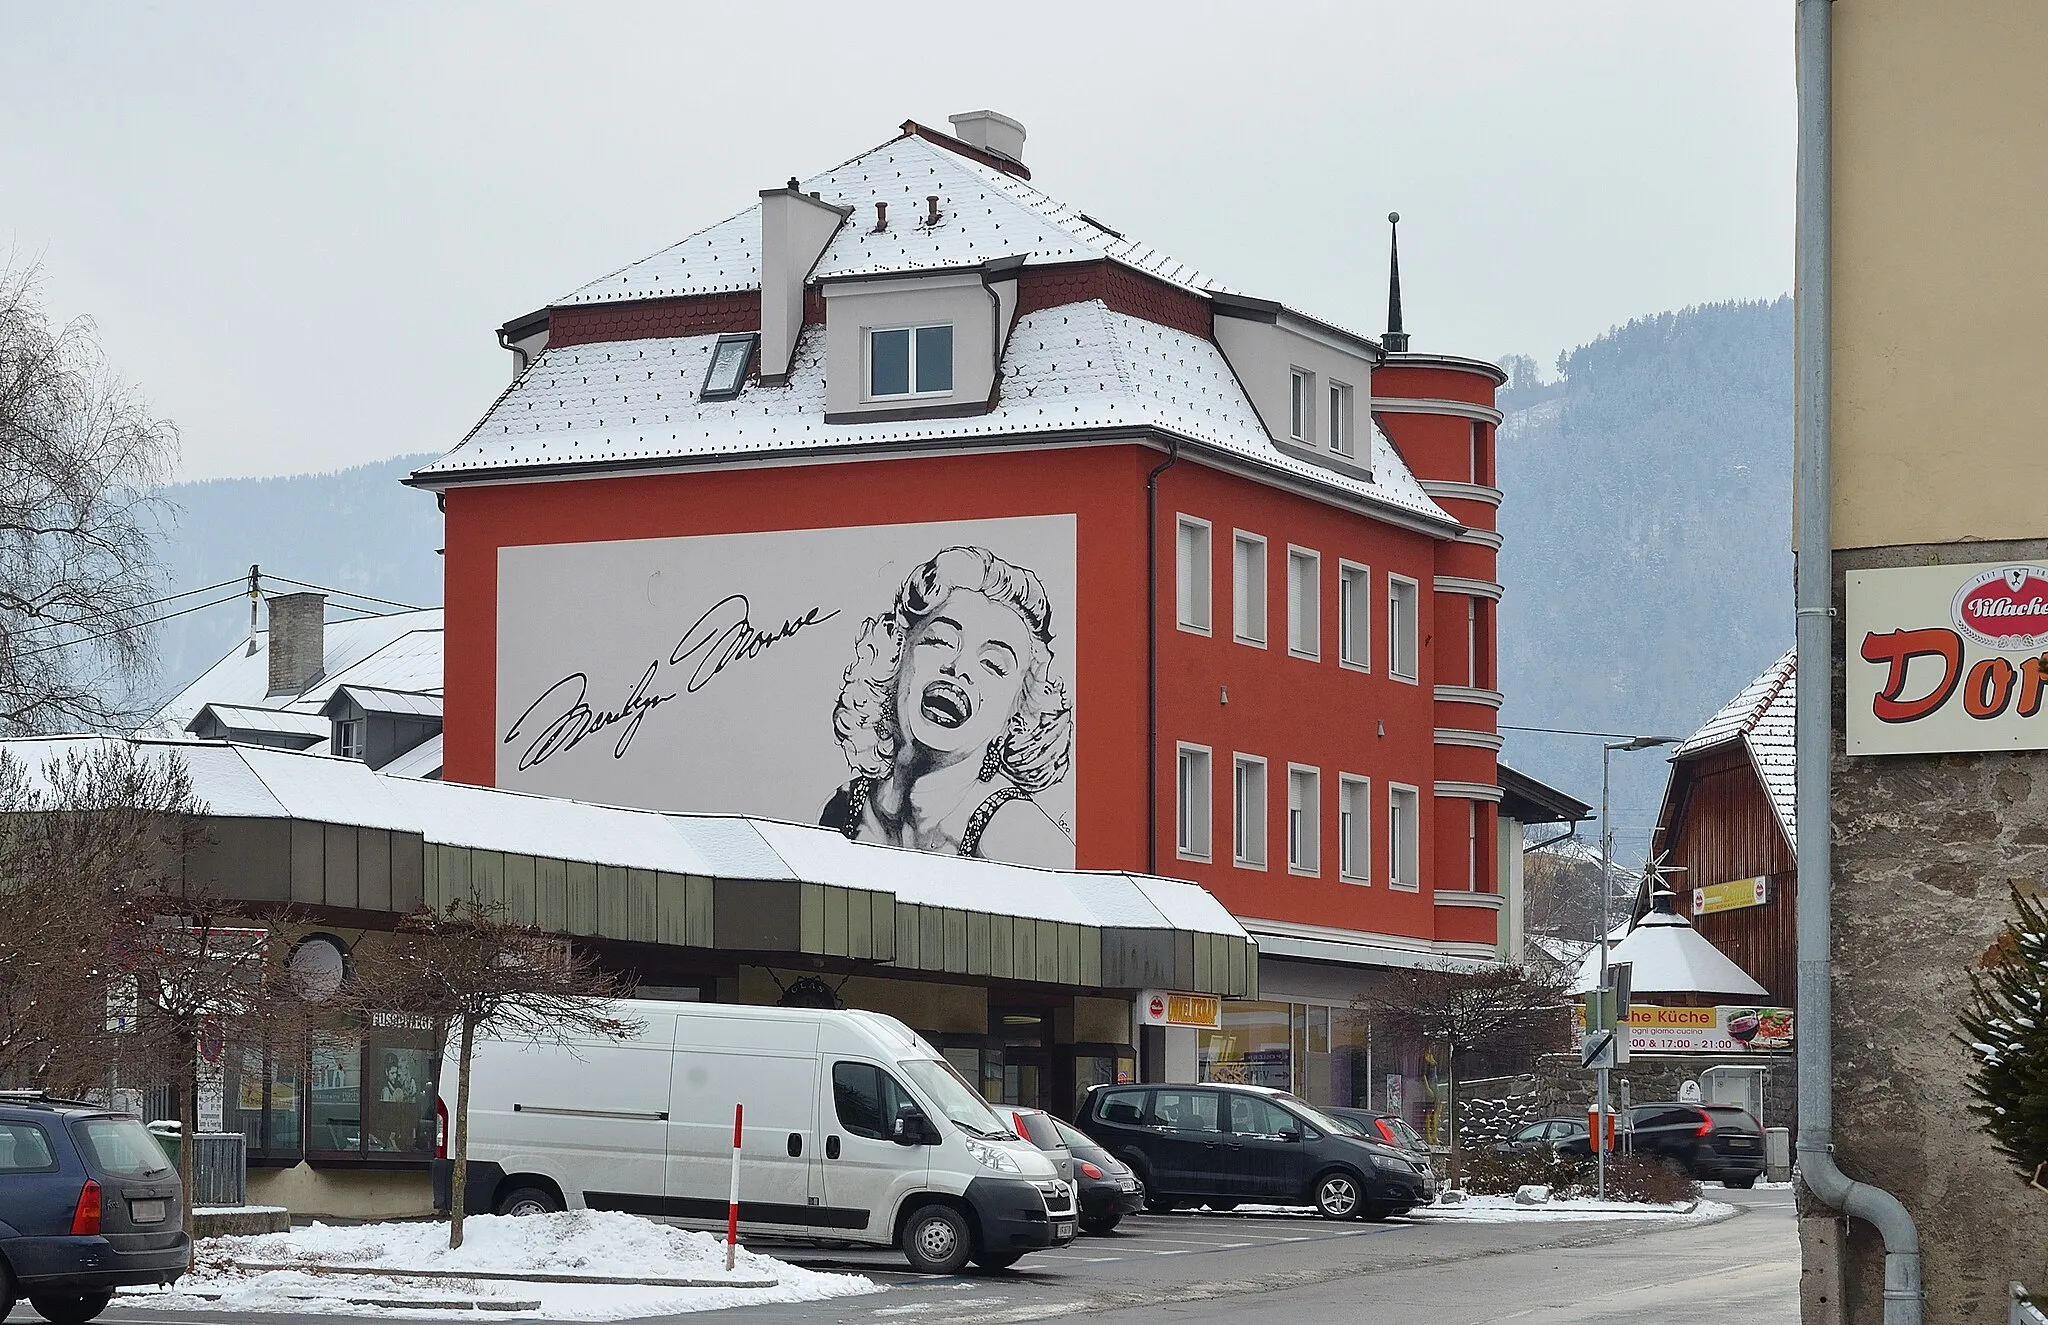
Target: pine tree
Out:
[2006,1028]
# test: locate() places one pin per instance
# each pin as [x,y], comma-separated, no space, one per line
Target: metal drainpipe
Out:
[1814,595]
[1152,653]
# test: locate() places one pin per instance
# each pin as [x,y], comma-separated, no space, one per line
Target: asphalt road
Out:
[1302,1270]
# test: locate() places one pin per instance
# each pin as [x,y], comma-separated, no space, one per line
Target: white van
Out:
[855,1130]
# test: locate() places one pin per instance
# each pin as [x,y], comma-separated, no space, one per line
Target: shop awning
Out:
[332,834]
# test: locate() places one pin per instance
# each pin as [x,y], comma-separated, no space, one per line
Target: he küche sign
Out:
[1947,658]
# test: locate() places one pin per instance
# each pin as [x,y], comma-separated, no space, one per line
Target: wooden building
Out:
[1728,823]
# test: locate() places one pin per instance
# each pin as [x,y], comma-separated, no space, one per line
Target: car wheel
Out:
[71,1309]
[523,1201]
[1743,1183]
[992,1260]
[936,1240]
[1105,1224]
[1337,1195]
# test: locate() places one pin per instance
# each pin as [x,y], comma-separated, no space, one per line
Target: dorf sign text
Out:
[1947,658]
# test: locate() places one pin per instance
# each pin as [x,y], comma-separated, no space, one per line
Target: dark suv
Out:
[1221,1146]
[1710,1141]
[87,1203]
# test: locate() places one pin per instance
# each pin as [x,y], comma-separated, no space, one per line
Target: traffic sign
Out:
[1597,1048]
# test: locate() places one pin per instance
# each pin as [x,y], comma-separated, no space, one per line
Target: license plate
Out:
[146,1212]
[1063,1230]
[1740,1142]
[1127,1185]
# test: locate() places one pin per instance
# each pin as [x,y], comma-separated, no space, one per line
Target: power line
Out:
[116,611]
[1568,731]
[169,616]
[346,593]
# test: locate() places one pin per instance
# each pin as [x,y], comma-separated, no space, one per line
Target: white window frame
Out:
[1193,804]
[1301,404]
[1413,671]
[1404,848]
[349,740]
[1472,641]
[867,362]
[1248,830]
[1193,611]
[1304,820]
[1354,829]
[1341,431]
[1472,846]
[1354,609]
[1305,625]
[1241,617]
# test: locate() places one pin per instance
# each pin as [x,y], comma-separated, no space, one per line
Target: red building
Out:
[1220,603]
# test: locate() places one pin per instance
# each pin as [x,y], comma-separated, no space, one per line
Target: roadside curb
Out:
[506,1276]
[503,1304]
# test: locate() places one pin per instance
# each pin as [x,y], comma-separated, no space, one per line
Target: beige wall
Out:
[1940,278]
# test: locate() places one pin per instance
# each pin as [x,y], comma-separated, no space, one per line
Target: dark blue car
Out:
[88,1202]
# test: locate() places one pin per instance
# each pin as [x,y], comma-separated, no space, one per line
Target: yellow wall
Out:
[1940,270]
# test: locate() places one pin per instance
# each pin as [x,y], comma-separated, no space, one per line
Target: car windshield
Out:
[1318,1117]
[121,1147]
[1409,1135]
[1075,1138]
[955,1098]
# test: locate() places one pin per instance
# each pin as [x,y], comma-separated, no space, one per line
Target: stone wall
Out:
[1927,849]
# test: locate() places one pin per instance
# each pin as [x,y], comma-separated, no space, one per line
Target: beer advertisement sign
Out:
[1947,658]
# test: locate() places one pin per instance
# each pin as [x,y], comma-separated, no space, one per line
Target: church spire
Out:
[1396,340]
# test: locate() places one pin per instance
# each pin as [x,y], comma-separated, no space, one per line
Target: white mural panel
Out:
[905,684]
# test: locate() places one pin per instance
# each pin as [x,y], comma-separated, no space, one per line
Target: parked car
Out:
[1223,1144]
[1109,1189]
[88,1203]
[1390,1129]
[855,1129]
[1543,1134]
[1718,1142]
[1040,1129]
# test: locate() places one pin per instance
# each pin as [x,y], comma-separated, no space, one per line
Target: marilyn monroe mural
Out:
[951,718]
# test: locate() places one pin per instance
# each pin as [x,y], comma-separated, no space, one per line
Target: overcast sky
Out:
[297,226]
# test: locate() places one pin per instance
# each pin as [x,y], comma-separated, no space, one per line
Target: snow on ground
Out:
[580,1242]
[1505,1210]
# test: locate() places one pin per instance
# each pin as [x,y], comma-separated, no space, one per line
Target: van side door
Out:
[865,1169]
[779,1092]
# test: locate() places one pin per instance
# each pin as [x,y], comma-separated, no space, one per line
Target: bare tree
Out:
[1498,1010]
[1563,891]
[471,969]
[80,459]
[121,970]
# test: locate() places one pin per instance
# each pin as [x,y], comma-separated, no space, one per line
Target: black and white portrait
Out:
[908,685]
[951,718]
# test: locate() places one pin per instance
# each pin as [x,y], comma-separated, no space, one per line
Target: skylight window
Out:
[728,371]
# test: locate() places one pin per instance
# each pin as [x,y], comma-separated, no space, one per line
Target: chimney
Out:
[298,642]
[795,228]
[996,134]
[1396,340]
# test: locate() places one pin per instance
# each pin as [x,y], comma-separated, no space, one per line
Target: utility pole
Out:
[1599,1129]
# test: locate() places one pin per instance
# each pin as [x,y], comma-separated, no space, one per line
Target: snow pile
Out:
[579,1242]
[1507,1209]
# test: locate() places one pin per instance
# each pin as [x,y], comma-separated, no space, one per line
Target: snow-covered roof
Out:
[401,651]
[246,781]
[985,213]
[1073,368]
[422,761]
[1668,956]
[280,722]
[376,699]
[1761,717]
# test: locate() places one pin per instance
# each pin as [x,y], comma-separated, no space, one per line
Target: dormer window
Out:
[907,362]
[1300,399]
[1340,419]
[348,738]
[728,371]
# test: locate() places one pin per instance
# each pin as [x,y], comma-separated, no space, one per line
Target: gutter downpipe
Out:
[1814,595]
[1152,653]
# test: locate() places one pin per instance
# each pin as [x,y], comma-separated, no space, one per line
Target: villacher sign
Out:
[1947,658]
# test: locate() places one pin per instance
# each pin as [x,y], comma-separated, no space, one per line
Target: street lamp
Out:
[1607,749]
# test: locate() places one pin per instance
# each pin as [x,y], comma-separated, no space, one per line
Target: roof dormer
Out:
[1310,382]
[916,345]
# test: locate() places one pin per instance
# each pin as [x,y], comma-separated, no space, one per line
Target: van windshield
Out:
[955,1098]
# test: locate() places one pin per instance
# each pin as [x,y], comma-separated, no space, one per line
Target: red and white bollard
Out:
[732,1205]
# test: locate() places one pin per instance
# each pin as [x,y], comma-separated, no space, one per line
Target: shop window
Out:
[371,1094]
[1253,1046]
